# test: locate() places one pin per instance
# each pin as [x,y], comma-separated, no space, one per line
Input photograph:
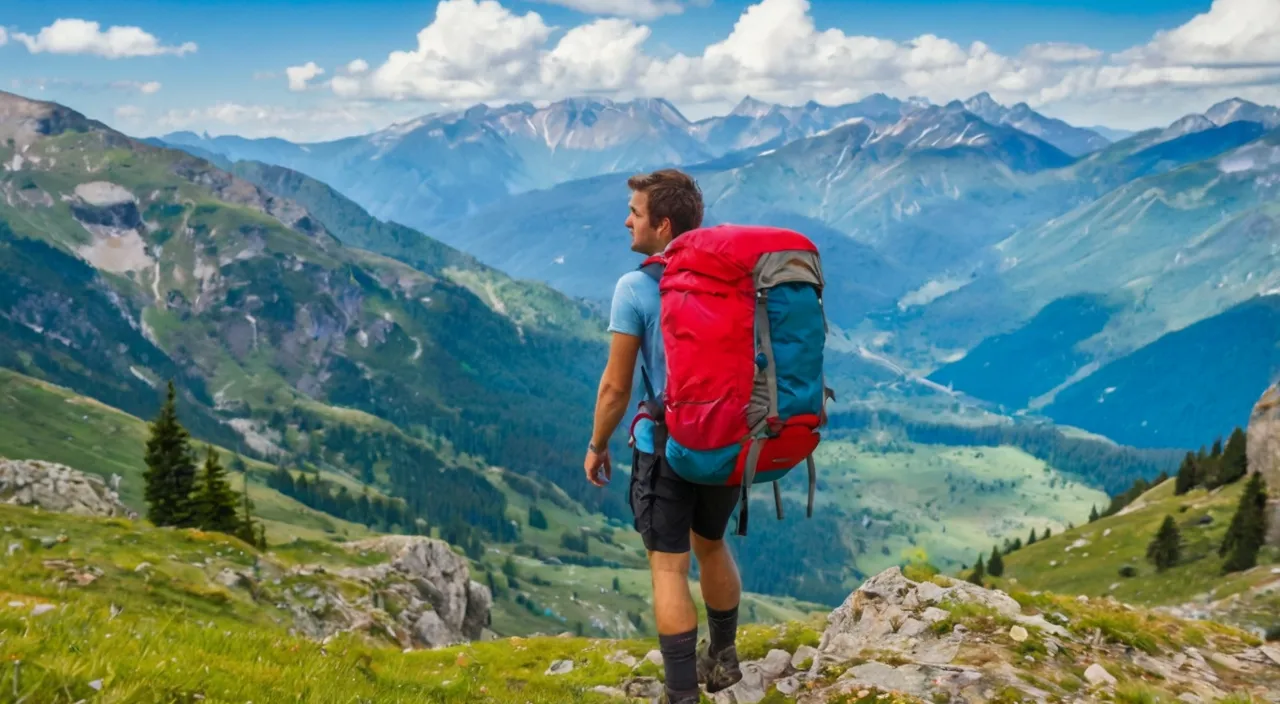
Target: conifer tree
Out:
[1031,540]
[1166,547]
[1093,513]
[995,566]
[978,573]
[1248,528]
[214,501]
[1047,533]
[1235,461]
[171,469]
[1187,478]
[250,531]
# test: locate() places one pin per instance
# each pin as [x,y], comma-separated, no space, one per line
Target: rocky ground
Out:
[948,641]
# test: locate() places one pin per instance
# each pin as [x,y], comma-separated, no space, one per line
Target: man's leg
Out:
[663,505]
[721,590]
[721,586]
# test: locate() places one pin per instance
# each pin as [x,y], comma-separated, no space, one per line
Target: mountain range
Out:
[945,227]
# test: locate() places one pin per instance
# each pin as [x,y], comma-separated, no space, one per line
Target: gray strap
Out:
[777,498]
[766,344]
[748,476]
[813,482]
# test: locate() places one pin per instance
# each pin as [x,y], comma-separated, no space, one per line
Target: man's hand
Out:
[595,463]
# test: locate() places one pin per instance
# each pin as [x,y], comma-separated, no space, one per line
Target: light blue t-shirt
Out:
[635,311]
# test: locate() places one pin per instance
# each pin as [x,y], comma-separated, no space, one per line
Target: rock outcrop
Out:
[440,602]
[951,641]
[56,487]
[1264,453]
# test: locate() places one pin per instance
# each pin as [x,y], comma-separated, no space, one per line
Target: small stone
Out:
[1098,675]
[654,656]
[560,667]
[48,542]
[775,664]
[1018,634]
[96,685]
[41,609]
[1106,532]
[804,653]
[14,547]
[1271,652]
[609,691]
[1179,660]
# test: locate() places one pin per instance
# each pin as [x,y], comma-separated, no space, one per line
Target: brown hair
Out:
[672,194]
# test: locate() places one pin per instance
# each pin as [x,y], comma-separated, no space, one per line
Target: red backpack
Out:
[744,332]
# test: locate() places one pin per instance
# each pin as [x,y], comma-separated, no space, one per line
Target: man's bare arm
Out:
[615,387]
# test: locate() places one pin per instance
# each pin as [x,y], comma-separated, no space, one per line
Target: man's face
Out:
[645,238]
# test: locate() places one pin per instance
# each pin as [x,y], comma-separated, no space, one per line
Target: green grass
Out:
[1000,492]
[1114,542]
[47,422]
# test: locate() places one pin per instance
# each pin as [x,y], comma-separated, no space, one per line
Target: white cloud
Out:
[357,66]
[76,36]
[299,76]
[635,9]
[1230,32]
[4,37]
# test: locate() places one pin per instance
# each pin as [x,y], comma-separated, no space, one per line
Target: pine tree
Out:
[1031,540]
[1093,513]
[214,502]
[1248,528]
[171,468]
[1216,452]
[1187,476]
[1235,461]
[1047,533]
[1166,547]
[995,566]
[978,573]
[249,530]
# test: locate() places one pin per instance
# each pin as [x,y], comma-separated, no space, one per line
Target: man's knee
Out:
[705,547]
[669,562]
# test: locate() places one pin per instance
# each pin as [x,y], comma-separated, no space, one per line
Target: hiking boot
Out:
[719,671]
[670,697]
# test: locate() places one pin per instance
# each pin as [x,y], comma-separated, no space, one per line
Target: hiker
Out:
[672,515]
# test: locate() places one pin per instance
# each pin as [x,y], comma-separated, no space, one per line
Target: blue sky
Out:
[234,81]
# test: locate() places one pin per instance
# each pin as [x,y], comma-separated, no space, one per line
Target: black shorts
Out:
[667,507]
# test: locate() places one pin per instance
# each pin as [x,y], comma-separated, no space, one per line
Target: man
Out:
[671,514]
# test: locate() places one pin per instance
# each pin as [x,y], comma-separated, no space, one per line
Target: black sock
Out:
[723,626]
[679,659]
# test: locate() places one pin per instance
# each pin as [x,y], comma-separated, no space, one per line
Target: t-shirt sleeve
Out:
[624,314]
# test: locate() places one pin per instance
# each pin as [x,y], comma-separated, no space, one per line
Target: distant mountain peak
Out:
[750,107]
[1238,109]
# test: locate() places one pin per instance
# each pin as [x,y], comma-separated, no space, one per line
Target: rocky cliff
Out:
[57,487]
[1264,453]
